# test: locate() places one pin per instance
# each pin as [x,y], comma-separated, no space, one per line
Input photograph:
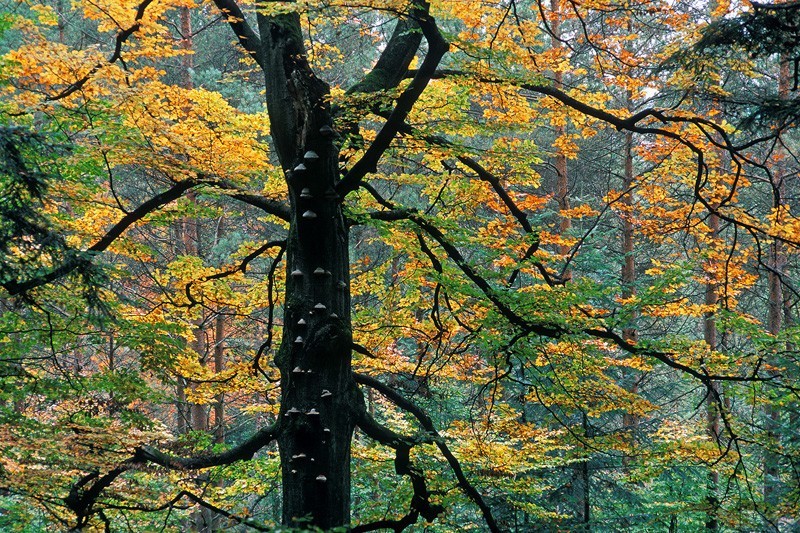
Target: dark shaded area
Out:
[28,243]
[766,30]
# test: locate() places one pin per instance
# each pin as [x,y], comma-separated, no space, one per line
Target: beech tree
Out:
[461,278]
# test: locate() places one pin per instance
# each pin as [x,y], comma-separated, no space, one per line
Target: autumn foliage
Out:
[571,285]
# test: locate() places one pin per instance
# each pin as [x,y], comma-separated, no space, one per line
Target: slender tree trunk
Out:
[629,264]
[59,7]
[199,412]
[712,408]
[777,264]
[630,377]
[562,177]
[582,486]
[183,410]
[219,354]
[581,474]
[630,422]
[219,366]
[203,518]
[711,299]
[560,163]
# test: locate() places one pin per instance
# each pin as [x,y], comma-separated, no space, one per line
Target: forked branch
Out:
[119,40]
[437,48]
[427,424]
[420,501]
[243,31]
[84,494]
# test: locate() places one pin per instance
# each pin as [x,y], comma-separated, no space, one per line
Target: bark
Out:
[319,397]
[202,517]
[219,365]
[219,355]
[628,266]
[560,162]
[181,407]
[630,422]
[199,412]
[776,263]
[186,415]
[581,486]
[317,389]
[712,408]
[581,476]
[61,22]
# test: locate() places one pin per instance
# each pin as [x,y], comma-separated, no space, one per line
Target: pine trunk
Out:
[712,407]
[630,421]
[777,265]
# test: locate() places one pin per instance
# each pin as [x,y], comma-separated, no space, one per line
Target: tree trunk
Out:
[560,163]
[219,365]
[581,474]
[219,355]
[630,421]
[317,389]
[712,408]
[582,486]
[777,264]
[184,413]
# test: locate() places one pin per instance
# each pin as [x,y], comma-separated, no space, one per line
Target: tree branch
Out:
[196,499]
[154,203]
[392,65]
[520,215]
[437,47]
[272,207]
[554,331]
[121,37]
[420,501]
[427,424]
[81,501]
[244,33]
[244,451]
[241,267]
[631,123]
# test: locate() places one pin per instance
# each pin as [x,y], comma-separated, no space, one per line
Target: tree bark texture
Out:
[712,408]
[317,389]
[776,263]
[632,378]
[560,162]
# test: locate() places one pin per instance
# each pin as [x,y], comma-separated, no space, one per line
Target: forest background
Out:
[442,266]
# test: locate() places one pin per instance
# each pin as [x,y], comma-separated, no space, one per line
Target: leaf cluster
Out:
[766,30]
[29,244]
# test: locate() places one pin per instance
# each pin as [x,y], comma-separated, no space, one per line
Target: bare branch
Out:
[437,47]
[244,33]
[244,451]
[427,424]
